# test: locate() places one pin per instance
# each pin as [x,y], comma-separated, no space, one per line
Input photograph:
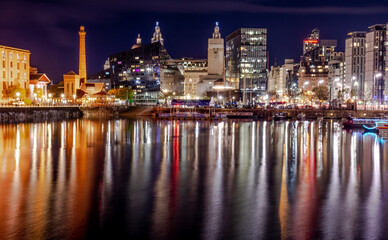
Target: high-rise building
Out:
[14,68]
[375,63]
[336,75]
[314,69]
[278,76]
[246,61]
[274,85]
[311,41]
[138,67]
[355,63]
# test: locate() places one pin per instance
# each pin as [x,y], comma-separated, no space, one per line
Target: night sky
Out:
[49,29]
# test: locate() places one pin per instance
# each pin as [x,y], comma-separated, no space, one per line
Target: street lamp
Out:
[18,95]
[377,85]
[74,96]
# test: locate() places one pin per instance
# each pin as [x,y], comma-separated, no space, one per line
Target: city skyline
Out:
[52,37]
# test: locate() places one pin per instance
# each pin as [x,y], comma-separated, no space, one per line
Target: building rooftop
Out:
[16,49]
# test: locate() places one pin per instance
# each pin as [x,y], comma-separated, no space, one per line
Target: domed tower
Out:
[216,33]
[157,37]
[138,42]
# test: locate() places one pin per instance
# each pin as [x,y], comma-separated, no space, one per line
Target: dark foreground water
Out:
[142,178]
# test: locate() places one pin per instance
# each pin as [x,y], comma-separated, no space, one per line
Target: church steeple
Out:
[216,33]
[157,37]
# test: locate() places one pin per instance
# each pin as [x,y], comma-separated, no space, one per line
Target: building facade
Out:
[216,53]
[247,61]
[355,63]
[140,66]
[172,78]
[14,68]
[279,78]
[314,68]
[375,64]
[336,76]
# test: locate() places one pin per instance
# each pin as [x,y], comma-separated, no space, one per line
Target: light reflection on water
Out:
[184,179]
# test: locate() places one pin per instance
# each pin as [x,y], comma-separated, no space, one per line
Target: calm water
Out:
[191,180]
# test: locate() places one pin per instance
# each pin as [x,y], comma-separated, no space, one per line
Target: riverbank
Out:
[23,114]
[289,113]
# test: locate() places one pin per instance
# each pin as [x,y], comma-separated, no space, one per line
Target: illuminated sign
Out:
[314,41]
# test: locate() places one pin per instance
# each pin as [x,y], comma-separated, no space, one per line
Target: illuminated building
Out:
[277,77]
[375,64]
[14,68]
[71,82]
[314,68]
[192,71]
[336,75]
[246,61]
[172,79]
[198,75]
[157,36]
[311,41]
[355,63]
[138,67]
[215,55]
[38,81]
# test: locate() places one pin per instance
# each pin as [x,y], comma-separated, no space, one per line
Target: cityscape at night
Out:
[250,119]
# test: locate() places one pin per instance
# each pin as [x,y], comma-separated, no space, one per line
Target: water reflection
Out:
[176,179]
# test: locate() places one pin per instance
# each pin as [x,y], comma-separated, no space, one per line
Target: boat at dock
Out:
[280,116]
[381,125]
[360,123]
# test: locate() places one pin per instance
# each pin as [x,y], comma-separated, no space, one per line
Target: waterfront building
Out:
[336,75]
[355,63]
[314,69]
[14,68]
[71,82]
[281,79]
[216,55]
[105,80]
[138,67]
[292,78]
[375,64]
[274,84]
[194,87]
[172,78]
[246,61]
[38,81]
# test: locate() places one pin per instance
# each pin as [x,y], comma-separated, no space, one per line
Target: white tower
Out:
[215,53]
[157,37]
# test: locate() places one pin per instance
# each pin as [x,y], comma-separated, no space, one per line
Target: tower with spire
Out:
[138,42]
[82,54]
[215,53]
[157,37]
